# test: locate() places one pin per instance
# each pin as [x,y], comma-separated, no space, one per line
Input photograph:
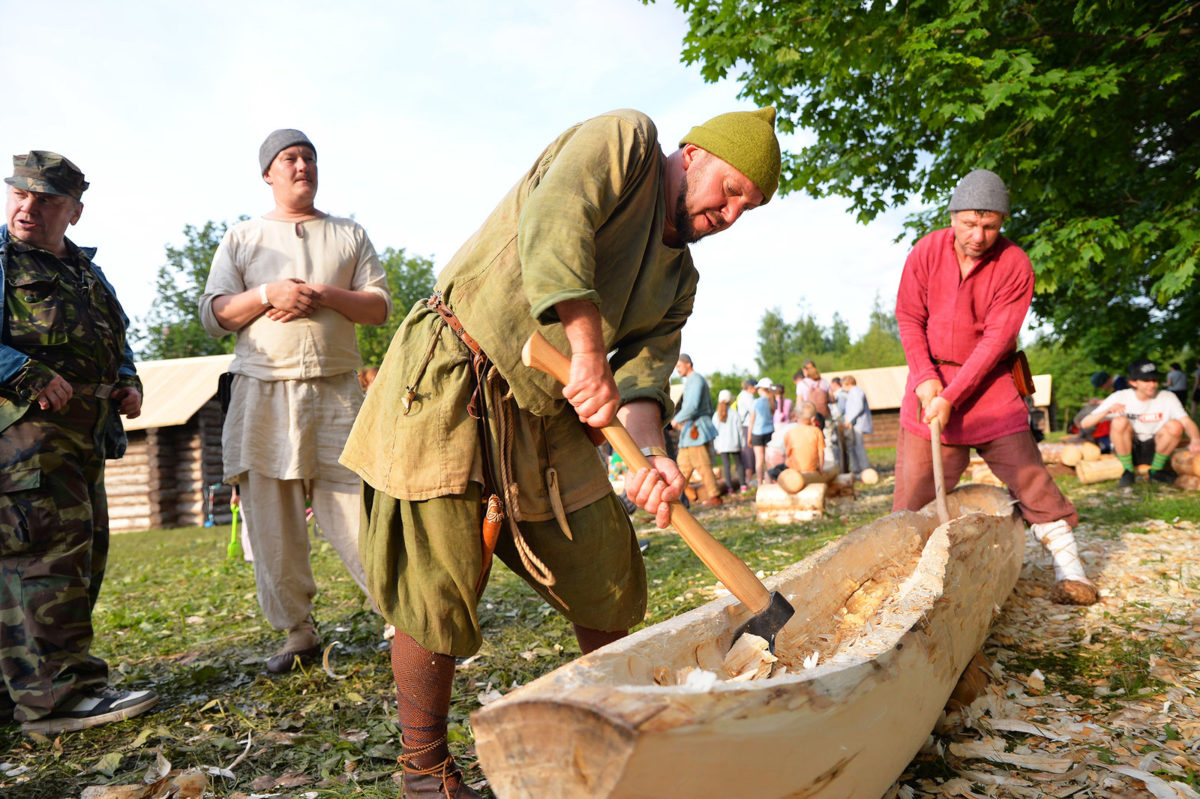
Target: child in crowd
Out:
[729,441]
[761,424]
[805,444]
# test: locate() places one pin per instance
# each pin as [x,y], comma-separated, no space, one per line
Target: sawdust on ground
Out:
[1044,728]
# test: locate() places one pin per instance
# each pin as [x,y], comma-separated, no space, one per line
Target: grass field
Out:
[177,616]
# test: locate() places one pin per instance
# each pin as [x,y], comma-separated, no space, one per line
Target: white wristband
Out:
[262,294]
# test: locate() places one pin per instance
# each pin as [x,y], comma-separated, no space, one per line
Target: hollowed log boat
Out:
[887,619]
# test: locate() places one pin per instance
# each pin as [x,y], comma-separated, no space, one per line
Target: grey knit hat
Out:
[279,141]
[980,190]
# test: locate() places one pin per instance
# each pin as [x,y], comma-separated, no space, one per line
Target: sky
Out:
[423,116]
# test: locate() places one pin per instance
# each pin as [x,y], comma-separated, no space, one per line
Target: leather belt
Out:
[435,302]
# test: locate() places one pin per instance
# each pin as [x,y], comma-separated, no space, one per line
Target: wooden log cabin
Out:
[174,452]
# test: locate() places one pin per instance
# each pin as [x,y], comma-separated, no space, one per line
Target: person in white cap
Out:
[963,297]
[761,425]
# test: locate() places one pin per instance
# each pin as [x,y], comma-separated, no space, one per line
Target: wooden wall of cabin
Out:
[162,480]
[887,425]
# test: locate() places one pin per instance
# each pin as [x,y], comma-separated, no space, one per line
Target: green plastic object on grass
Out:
[235,542]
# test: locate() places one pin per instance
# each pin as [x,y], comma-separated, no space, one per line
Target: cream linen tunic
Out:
[296,393]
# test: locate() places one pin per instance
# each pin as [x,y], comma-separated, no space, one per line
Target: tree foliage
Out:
[784,346]
[1090,112]
[410,278]
[171,328]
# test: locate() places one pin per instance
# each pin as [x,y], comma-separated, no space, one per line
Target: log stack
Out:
[773,504]
[1187,466]
[1106,467]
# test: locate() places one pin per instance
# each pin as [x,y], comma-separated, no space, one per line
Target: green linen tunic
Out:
[584,223]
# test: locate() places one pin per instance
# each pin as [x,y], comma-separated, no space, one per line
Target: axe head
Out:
[767,623]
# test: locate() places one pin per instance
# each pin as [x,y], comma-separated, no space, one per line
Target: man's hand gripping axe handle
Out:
[729,569]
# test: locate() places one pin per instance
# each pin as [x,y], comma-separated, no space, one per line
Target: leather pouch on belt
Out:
[1022,376]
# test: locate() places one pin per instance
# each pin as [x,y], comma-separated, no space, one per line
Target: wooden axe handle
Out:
[729,569]
[939,477]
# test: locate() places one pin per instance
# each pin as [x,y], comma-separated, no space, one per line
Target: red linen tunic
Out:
[973,322]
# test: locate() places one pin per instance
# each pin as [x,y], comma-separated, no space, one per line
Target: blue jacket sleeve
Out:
[11,359]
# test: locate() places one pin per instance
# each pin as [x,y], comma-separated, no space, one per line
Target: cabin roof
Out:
[884,386]
[173,390]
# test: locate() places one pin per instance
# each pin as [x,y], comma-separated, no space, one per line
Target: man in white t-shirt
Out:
[1147,424]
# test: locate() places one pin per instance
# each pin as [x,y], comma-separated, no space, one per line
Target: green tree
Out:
[776,341]
[838,340]
[410,278]
[171,328]
[1089,111]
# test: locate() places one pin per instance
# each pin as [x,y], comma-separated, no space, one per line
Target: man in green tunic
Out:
[590,248]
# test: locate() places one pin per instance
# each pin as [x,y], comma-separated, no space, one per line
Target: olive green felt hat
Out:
[745,140]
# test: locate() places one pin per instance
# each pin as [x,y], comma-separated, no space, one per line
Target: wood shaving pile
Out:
[1029,736]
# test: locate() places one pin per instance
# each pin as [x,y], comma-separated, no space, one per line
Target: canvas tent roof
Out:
[175,389]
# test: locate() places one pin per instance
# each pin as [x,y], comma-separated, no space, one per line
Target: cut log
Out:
[1089,451]
[773,504]
[793,481]
[1051,451]
[1184,462]
[889,617]
[984,475]
[869,477]
[1188,482]
[1070,455]
[1104,468]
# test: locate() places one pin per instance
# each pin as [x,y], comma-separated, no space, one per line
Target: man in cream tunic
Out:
[590,248]
[292,285]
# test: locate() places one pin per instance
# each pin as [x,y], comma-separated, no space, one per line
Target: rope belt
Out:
[488,396]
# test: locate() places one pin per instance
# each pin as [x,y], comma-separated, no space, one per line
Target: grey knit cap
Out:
[980,190]
[279,141]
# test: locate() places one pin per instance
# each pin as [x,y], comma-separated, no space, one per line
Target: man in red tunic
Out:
[962,300]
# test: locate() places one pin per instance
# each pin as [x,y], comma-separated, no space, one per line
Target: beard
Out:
[682,219]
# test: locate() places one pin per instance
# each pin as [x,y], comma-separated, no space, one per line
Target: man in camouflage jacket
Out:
[66,372]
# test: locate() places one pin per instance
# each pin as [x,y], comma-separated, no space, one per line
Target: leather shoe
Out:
[1074,592]
[715,502]
[433,786]
[285,661]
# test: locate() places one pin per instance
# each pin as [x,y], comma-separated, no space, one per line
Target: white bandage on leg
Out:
[1059,541]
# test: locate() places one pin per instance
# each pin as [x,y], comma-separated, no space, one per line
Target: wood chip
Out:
[985,751]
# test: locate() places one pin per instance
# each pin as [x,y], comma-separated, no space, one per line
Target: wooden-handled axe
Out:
[771,610]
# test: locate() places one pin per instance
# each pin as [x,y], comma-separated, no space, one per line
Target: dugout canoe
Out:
[895,609]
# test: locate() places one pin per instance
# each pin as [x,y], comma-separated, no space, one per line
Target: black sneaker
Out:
[1162,476]
[1127,480]
[92,710]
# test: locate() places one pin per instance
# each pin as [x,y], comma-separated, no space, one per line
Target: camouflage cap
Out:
[47,173]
